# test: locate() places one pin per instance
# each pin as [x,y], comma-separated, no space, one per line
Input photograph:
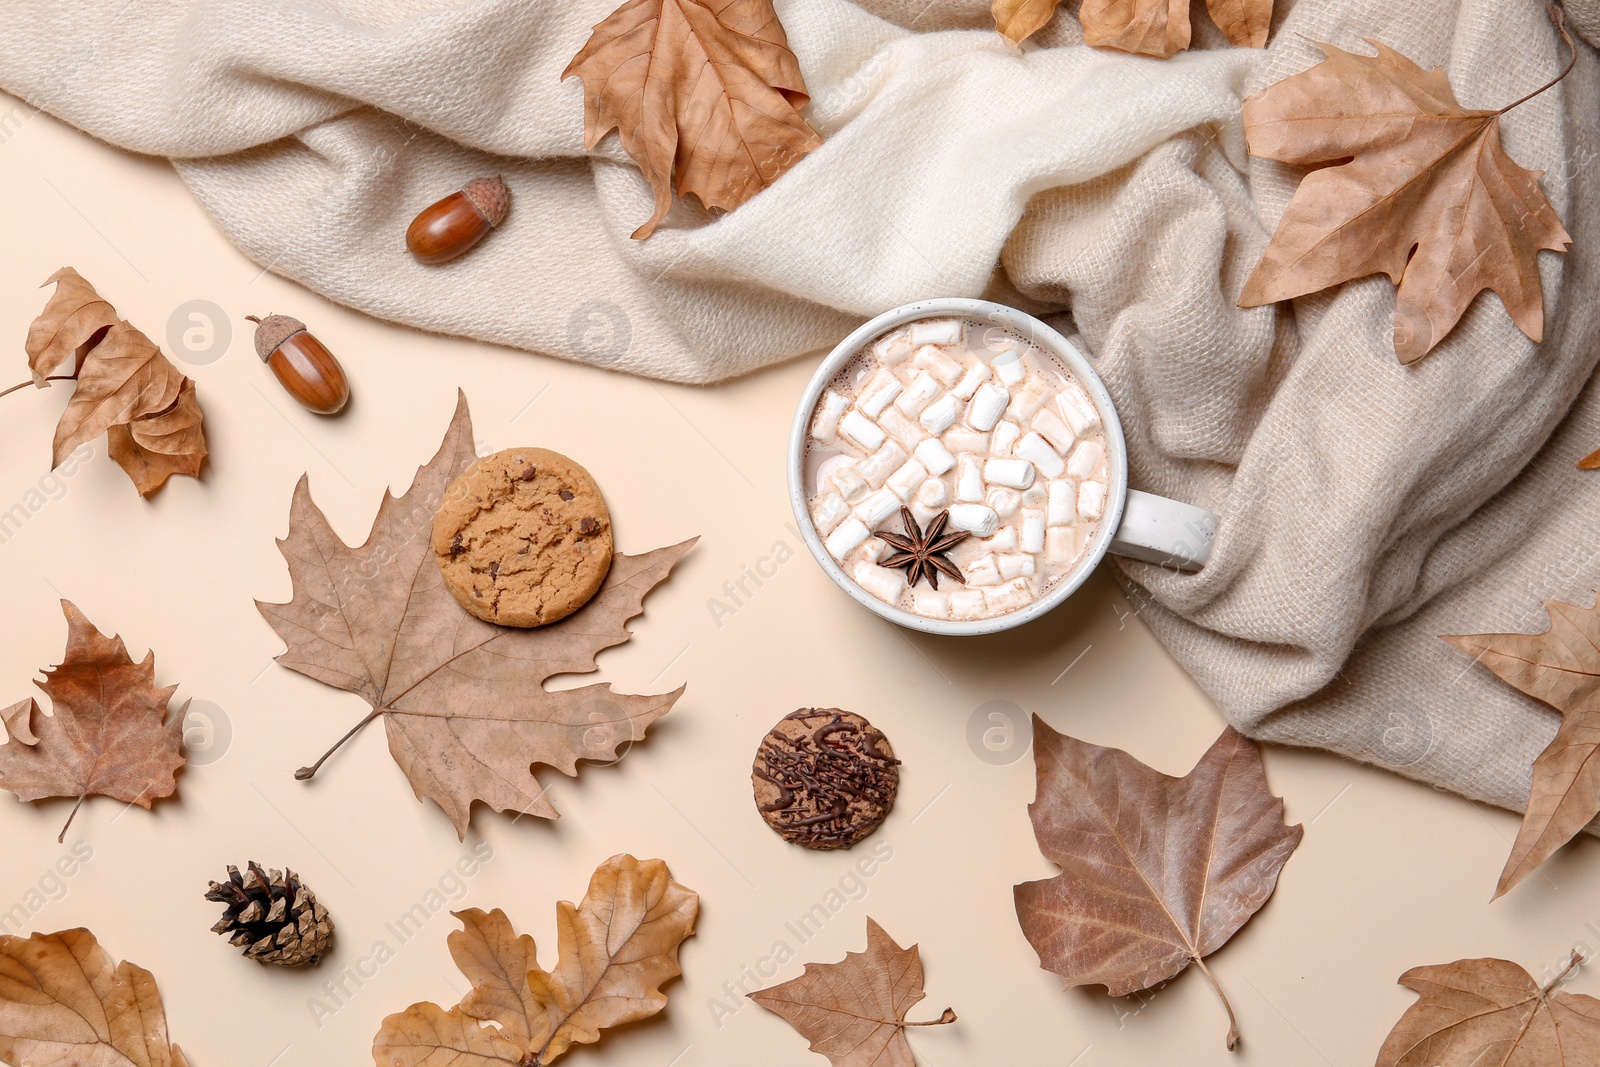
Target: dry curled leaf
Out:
[616,949]
[1562,668]
[111,732]
[854,1011]
[72,321]
[64,1003]
[702,92]
[1412,185]
[463,701]
[1156,872]
[1590,462]
[1143,27]
[1472,1013]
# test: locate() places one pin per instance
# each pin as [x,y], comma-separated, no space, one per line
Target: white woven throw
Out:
[1367,507]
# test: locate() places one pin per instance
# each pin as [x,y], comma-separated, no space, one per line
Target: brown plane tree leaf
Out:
[111,732]
[1158,28]
[1472,1013]
[152,448]
[68,326]
[64,1002]
[1562,668]
[463,701]
[854,1011]
[616,949]
[704,92]
[1157,872]
[1411,185]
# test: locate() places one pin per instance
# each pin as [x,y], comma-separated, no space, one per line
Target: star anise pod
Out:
[923,553]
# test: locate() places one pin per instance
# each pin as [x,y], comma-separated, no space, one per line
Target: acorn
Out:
[451,227]
[302,363]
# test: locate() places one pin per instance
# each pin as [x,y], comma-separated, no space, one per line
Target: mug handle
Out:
[1165,532]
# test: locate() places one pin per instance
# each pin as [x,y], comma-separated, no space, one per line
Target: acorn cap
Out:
[272,332]
[491,198]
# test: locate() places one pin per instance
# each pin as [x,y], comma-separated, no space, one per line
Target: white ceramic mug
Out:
[1135,524]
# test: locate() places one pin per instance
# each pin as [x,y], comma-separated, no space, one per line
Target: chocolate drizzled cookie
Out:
[825,778]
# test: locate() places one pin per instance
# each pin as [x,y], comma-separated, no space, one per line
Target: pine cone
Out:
[272,916]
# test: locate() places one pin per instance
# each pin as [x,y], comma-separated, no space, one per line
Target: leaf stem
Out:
[948,1016]
[52,378]
[1560,19]
[1233,1024]
[1572,965]
[63,838]
[305,774]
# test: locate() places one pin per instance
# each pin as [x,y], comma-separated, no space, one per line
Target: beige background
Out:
[1390,874]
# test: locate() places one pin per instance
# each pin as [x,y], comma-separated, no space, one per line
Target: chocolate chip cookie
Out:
[825,778]
[523,537]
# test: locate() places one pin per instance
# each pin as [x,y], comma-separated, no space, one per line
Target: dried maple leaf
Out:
[73,320]
[854,1011]
[110,733]
[1157,872]
[152,448]
[1477,1012]
[1411,185]
[463,701]
[1562,668]
[1144,27]
[64,1002]
[616,949]
[704,91]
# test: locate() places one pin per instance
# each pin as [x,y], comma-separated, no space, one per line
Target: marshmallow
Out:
[1005,435]
[985,408]
[959,441]
[934,494]
[901,428]
[1085,459]
[861,431]
[1008,367]
[851,533]
[827,512]
[1026,404]
[919,394]
[969,480]
[1009,597]
[1033,527]
[881,582]
[876,468]
[937,332]
[850,484]
[1063,503]
[1004,501]
[1012,473]
[1005,540]
[968,604]
[923,513]
[940,414]
[1049,426]
[976,375]
[1091,499]
[873,397]
[977,519]
[982,571]
[1061,545]
[908,479]
[1037,450]
[1077,408]
[1035,495]
[936,362]
[1015,565]
[931,603]
[877,508]
[933,455]
[875,550]
[825,427]
[893,347]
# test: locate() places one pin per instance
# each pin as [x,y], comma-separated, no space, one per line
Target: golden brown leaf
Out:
[854,1011]
[63,1001]
[616,949]
[1244,22]
[1017,20]
[111,732]
[1590,462]
[71,319]
[1562,668]
[1157,872]
[1419,188]
[125,377]
[463,701]
[1486,1011]
[1144,27]
[706,92]
[152,448]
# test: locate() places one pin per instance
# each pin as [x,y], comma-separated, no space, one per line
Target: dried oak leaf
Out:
[1411,185]
[706,92]
[64,1002]
[1562,668]
[1144,27]
[1157,872]
[111,732]
[1487,1011]
[617,947]
[462,700]
[854,1011]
